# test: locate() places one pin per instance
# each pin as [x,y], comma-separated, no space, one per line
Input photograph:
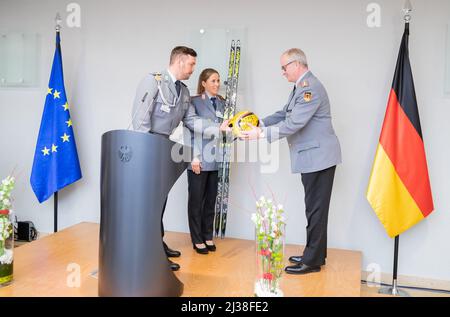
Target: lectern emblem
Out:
[125,153]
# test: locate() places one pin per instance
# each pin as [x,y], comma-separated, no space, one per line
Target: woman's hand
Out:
[196,165]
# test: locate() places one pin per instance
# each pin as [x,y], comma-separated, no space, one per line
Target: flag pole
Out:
[58,21]
[55,212]
[393,289]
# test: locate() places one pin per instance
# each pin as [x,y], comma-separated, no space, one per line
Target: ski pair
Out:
[221,210]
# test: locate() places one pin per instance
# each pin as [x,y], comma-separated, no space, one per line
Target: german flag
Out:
[399,187]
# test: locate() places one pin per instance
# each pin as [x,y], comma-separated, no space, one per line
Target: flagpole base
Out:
[394,291]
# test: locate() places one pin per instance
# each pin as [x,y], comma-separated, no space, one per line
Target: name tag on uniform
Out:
[165,108]
[219,114]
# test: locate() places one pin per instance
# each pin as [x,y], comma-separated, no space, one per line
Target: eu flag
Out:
[55,162]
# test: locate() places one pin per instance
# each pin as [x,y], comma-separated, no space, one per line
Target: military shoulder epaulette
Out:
[304,84]
[158,76]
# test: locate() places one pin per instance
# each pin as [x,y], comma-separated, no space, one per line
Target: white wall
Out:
[120,41]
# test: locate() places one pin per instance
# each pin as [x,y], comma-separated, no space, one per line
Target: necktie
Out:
[293,90]
[178,86]
[213,100]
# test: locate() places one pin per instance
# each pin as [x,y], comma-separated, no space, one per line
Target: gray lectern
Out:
[137,173]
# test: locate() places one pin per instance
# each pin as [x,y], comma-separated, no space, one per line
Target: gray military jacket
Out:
[207,145]
[306,123]
[157,107]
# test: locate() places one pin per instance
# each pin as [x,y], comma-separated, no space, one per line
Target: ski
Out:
[221,210]
[220,185]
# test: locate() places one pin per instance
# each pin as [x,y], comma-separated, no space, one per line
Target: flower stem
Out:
[2,247]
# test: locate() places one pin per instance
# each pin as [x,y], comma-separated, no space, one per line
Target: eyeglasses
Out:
[283,68]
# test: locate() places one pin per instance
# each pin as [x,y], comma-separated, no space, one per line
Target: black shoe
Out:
[200,250]
[171,253]
[211,247]
[174,266]
[301,269]
[296,259]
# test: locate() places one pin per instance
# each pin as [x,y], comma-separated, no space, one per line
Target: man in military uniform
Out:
[162,101]
[314,150]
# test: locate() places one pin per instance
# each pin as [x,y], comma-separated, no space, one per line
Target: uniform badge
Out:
[305,84]
[165,108]
[157,76]
[307,96]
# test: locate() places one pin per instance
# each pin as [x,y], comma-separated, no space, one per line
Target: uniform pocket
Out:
[305,153]
[157,111]
[307,146]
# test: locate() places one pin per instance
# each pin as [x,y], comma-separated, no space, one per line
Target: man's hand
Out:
[224,126]
[196,165]
[252,134]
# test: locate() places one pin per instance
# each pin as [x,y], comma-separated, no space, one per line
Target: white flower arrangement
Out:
[5,192]
[6,227]
[269,228]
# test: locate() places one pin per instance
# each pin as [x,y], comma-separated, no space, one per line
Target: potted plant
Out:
[270,233]
[6,231]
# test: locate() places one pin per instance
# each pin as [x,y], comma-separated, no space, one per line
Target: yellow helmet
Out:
[240,122]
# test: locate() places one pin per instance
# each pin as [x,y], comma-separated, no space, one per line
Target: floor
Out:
[203,275]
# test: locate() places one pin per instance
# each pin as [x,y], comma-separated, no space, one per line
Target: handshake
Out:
[244,125]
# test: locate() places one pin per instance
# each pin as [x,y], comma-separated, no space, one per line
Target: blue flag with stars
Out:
[55,162]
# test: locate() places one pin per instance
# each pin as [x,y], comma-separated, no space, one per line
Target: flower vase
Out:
[269,262]
[6,247]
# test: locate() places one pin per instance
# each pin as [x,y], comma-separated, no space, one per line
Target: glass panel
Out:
[19,60]
[213,48]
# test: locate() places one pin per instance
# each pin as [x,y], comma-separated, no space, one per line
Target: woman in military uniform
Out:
[202,173]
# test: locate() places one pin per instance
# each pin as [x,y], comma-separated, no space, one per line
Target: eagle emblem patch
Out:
[307,96]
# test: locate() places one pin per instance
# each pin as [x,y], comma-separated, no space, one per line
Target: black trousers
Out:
[202,190]
[318,186]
